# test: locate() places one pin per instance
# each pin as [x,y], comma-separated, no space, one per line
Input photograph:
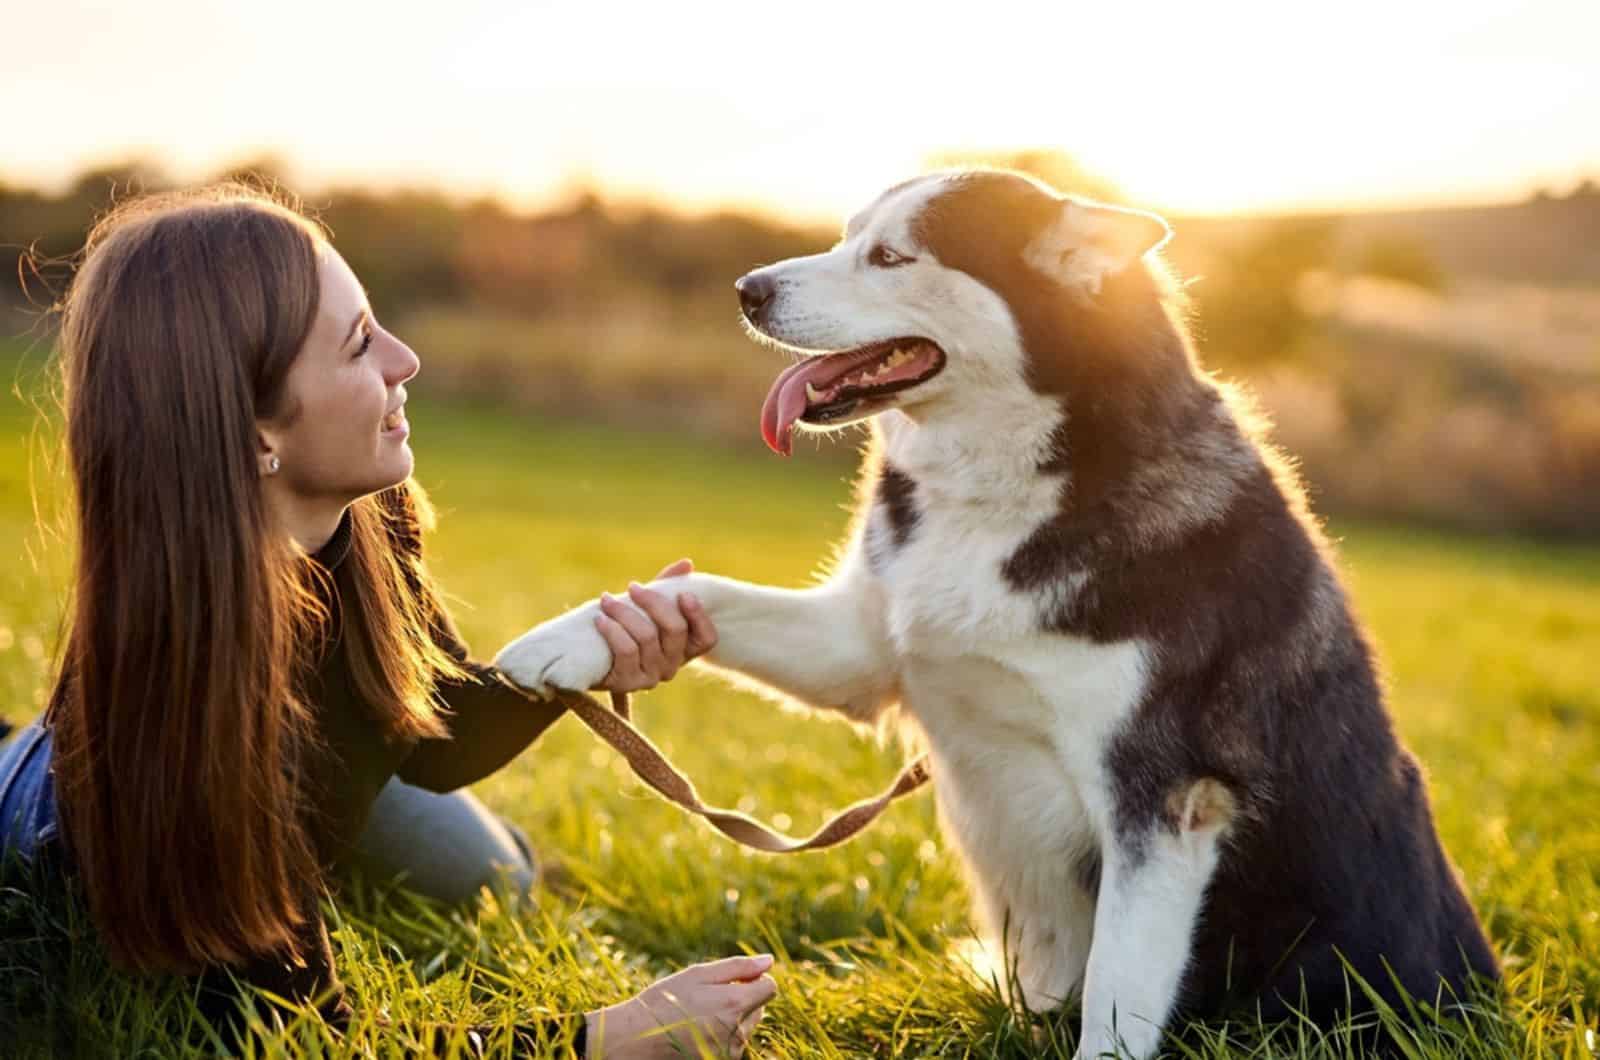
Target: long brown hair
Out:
[180,725]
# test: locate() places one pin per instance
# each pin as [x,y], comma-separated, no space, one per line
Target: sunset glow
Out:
[1226,107]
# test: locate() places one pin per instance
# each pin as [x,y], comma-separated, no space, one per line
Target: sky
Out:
[806,110]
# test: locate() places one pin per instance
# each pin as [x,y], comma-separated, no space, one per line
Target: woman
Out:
[254,648]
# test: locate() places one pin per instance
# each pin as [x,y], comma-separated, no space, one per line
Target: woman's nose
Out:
[403,364]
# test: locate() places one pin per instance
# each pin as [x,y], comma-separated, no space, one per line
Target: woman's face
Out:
[342,431]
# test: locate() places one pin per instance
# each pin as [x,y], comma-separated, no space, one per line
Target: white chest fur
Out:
[977,498]
[978,674]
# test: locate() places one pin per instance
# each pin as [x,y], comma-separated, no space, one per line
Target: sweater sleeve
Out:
[491,721]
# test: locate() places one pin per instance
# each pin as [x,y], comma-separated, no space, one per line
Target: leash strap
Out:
[651,766]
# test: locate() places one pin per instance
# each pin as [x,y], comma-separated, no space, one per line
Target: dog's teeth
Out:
[812,393]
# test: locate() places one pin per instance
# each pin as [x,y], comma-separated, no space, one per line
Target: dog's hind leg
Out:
[1151,886]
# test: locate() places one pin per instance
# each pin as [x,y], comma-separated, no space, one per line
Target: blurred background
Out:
[1389,214]
[1388,217]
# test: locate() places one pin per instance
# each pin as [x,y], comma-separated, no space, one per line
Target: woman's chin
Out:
[397,466]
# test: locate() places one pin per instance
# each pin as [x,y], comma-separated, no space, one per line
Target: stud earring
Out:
[273,464]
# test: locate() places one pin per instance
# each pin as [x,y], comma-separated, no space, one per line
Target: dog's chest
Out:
[985,682]
[977,663]
[939,549]
[945,592]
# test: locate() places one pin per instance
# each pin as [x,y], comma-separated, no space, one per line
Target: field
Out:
[1490,651]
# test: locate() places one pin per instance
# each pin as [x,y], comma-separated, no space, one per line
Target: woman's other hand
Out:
[713,1006]
[651,640]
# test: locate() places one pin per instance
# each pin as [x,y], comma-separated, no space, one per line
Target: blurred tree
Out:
[267,172]
[401,244]
[1405,260]
[117,181]
[1249,307]
[40,235]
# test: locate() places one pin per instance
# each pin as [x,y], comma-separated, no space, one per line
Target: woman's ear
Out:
[267,458]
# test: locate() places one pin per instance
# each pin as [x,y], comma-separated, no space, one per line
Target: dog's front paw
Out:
[566,652]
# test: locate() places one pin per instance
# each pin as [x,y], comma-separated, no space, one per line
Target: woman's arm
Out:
[491,721]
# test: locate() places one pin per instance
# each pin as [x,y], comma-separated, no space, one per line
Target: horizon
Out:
[568,194]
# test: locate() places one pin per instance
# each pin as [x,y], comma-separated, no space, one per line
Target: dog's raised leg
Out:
[825,646]
[1152,883]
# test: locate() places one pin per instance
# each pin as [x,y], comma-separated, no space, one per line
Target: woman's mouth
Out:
[395,422]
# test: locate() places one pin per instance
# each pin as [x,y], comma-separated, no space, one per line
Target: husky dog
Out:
[1155,730]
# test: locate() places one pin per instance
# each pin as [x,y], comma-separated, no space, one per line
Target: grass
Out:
[1490,654]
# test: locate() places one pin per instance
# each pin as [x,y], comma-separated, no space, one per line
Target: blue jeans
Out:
[443,846]
[27,795]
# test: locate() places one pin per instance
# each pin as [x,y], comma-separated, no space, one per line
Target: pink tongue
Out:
[786,401]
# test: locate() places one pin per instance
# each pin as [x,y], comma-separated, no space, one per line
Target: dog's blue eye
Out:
[883,257]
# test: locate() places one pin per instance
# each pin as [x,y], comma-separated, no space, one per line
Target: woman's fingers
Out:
[651,634]
[641,629]
[733,969]
[755,993]
[671,627]
[673,570]
[702,633]
[624,675]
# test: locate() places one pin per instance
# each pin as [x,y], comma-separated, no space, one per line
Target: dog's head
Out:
[932,294]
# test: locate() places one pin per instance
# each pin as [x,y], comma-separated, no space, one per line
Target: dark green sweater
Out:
[490,723]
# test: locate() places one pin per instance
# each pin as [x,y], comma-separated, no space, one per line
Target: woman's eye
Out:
[366,341]
[883,257]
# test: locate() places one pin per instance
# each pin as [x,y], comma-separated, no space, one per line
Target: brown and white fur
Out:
[1156,735]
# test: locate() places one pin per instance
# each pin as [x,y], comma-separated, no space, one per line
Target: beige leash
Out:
[651,766]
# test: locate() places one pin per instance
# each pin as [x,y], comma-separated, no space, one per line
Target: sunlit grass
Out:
[1489,649]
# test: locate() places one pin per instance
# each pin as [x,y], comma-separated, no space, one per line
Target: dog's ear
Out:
[1086,242]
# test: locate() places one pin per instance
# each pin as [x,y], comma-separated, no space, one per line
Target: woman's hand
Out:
[650,647]
[714,1005]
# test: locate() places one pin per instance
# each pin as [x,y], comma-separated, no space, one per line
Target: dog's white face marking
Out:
[879,283]
[839,298]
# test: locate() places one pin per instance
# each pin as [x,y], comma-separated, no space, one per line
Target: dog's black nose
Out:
[755,291]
